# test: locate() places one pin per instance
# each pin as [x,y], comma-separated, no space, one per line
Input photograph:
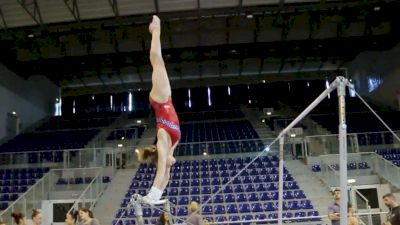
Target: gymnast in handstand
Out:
[168,130]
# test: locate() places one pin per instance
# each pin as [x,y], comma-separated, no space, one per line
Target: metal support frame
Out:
[280,193]
[33,12]
[136,202]
[73,9]
[114,6]
[341,89]
[3,25]
[340,83]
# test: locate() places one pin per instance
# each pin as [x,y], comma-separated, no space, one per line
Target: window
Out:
[209,96]
[57,107]
[190,100]
[130,102]
[373,83]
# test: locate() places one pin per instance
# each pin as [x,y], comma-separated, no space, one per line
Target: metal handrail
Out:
[82,195]
[386,163]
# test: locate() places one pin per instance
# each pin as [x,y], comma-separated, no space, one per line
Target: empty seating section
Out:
[73,123]
[81,180]
[251,195]
[126,133]
[391,154]
[350,166]
[221,136]
[54,140]
[360,122]
[14,182]
[211,115]
[218,131]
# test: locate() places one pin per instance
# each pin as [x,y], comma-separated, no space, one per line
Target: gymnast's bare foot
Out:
[155,25]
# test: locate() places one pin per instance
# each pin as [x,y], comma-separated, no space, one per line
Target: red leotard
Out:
[167,118]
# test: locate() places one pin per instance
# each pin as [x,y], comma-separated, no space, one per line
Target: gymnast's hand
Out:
[155,25]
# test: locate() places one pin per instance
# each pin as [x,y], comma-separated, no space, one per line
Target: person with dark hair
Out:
[334,210]
[164,219]
[393,218]
[168,130]
[19,218]
[86,217]
[37,217]
[71,218]
[351,219]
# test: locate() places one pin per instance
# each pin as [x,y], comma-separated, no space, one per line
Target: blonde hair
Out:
[147,153]
[193,207]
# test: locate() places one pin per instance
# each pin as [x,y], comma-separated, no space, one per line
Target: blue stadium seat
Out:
[270,206]
[238,189]
[183,201]
[231,208]
[256,207]
[219,209]
[253,197]
[206,190]
[220,219]
[207,210]
[244,208]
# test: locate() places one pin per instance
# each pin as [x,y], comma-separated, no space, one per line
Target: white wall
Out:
[378,64]
[31,99]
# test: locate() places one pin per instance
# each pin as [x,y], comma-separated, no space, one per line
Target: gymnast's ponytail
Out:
[147,154]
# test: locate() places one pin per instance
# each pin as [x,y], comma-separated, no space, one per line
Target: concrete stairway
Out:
[314,189]
[112,197]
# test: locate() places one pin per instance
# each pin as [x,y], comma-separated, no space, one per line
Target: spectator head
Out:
[71,218]
[193,207]
[389,200]
[85,214]
[37,217]
[19,218]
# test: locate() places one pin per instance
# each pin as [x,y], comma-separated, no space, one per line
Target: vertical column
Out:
[138,210]
[280,201]
[341,89]
[167,208]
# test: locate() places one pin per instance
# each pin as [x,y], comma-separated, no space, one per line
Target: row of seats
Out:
[211,115]
[238,180]
[230,196]
[391,154]
[217,131]
[220,147]
[24,170]
[15,189]
[18,182]
[356,123]
[268,168]
[49,141]
[259,185]
[81,180]
[221,162]
[62,123]
[350,166]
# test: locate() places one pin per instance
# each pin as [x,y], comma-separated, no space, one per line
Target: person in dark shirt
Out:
[393,218]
